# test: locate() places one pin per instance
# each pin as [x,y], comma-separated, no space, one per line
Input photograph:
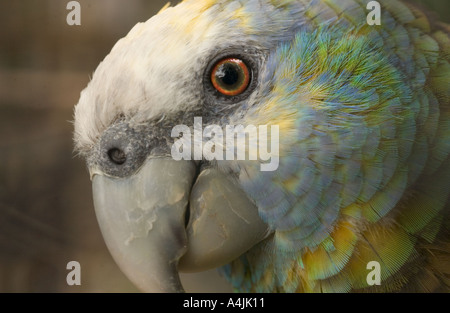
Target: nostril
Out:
[117,156]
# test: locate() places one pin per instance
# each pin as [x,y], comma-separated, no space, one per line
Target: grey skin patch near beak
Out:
[142,219]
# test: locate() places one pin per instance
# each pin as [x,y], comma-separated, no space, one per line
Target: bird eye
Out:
[230,76]
[117,156]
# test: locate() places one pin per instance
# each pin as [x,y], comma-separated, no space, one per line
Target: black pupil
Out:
[117,156]
[229,74]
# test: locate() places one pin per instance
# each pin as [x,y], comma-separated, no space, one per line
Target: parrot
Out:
[359,120]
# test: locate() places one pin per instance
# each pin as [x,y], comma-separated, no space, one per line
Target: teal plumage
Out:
[359,116]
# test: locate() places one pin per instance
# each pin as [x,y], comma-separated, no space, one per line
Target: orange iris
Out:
[230,76]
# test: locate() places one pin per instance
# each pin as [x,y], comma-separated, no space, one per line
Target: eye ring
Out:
[230,76]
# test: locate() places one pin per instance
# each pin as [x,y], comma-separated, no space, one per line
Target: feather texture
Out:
[371,176]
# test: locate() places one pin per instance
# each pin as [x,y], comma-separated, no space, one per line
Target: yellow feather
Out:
[164,7]
[389,245]
[323,262]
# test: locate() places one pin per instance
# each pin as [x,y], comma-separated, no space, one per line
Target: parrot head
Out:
[336,97]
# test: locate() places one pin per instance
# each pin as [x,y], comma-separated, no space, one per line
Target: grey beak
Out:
[142,219]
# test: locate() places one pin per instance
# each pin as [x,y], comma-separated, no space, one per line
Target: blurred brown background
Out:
[46,213]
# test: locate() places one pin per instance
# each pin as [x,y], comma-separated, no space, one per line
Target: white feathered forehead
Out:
[147,73]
